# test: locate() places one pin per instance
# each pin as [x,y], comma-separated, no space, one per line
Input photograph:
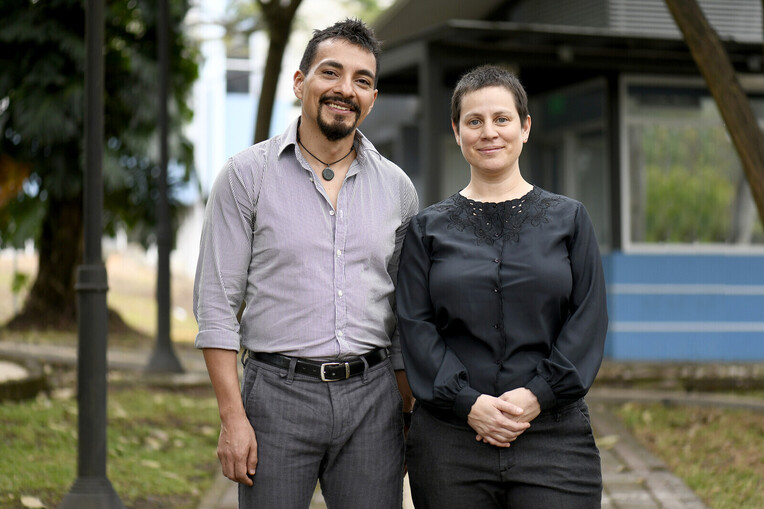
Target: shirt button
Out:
[496,326]
[339,333]
[496,260]
[331,212]
[339,293]
[339,253]
[495,290]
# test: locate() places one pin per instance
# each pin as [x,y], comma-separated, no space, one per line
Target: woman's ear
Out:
[456,133]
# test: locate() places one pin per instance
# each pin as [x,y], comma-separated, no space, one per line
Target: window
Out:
[567,152]
[686,184]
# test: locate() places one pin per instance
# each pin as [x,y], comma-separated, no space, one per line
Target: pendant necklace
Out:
[328,173]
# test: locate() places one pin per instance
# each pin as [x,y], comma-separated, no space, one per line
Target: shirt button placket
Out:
[497,326]
[340,258]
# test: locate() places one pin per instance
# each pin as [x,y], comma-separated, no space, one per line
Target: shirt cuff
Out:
[543,392]
[223,339]
[464,401]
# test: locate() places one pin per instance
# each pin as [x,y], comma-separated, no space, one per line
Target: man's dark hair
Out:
[351,30]
[488,76]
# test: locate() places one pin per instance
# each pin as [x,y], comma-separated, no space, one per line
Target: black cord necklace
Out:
[328,173]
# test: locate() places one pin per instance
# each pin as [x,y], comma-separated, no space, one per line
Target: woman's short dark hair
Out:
[351,30]
[488,76]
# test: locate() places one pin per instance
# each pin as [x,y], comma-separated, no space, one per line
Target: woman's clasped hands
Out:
[499,421]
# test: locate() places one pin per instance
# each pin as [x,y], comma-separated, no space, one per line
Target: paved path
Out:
[633,477]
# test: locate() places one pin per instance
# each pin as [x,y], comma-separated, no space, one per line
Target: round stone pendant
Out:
[328,174]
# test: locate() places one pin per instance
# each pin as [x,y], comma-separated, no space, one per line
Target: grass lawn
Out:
[161,441]
[719,453]
[161,445]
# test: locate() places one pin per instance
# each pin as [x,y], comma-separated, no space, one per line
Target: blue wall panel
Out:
[684,269]
[696,347]
[685,307]
[681,307]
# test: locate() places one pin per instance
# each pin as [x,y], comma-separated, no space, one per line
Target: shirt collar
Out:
[364,148]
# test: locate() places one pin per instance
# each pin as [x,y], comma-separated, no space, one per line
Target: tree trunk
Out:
[51,303]
[715,66]
[279,20]
[271,72]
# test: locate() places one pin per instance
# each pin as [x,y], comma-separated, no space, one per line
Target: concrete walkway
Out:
[633,477]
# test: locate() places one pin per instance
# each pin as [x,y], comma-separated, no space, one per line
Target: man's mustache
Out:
[340,100]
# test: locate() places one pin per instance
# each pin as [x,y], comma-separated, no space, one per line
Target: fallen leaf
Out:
[118,412]
[152,443]
[159,434]
[607,441]
[32,502]
[151,464]
[63,394]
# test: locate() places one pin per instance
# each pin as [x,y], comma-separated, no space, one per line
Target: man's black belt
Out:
[325,371]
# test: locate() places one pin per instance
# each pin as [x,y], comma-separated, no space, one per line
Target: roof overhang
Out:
[460,44]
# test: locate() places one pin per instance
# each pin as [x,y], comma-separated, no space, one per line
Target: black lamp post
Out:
[92,489]
[163,358]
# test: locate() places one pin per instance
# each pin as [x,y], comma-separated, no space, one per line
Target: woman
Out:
[502,316]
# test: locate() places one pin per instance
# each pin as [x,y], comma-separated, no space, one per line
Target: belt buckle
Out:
[333,364]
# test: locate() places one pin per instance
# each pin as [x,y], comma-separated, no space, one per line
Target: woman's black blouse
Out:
[496,296]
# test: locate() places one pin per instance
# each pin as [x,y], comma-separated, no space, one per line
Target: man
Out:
[305,229]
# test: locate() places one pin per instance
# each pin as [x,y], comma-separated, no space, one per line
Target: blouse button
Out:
[331,212]
[496,260]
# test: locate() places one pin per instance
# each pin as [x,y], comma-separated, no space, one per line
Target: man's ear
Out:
[297,82]
[374,100]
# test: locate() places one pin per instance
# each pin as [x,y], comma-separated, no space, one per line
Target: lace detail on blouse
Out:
[491,222]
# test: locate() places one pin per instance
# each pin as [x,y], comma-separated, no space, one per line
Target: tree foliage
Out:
[691,191]
[42,59]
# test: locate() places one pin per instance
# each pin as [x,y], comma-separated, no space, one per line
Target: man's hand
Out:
[237,447]
[237,450]
[495,422]
[405,390]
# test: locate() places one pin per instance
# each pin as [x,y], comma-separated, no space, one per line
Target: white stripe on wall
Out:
[689,289]
[686,327]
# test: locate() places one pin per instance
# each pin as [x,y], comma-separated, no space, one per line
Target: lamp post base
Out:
[91,493]
[164,360]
